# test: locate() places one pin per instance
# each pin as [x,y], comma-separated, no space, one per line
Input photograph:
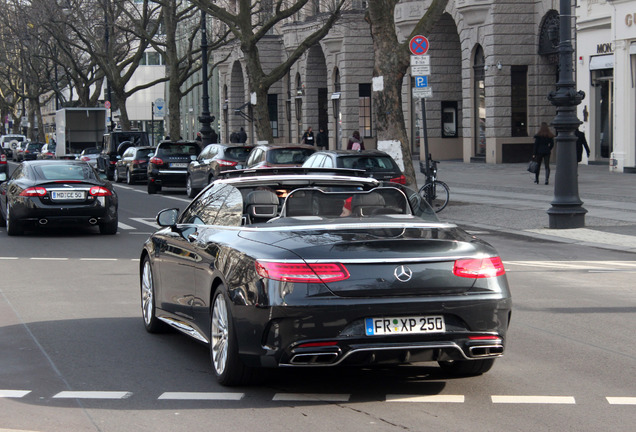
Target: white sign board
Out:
[422,92]
[423,60]
[420,70]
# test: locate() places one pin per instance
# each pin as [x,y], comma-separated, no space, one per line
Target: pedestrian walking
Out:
[234,137]
[581,143]
[322,140]
[543,145]
[355,142]
[242,136]
[308,137]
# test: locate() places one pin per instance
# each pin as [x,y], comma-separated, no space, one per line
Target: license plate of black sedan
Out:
[68,195]
[405,325]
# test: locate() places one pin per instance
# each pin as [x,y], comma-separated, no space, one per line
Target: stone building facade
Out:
[493,64]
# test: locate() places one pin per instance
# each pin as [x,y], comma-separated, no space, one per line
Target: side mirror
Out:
[167,217]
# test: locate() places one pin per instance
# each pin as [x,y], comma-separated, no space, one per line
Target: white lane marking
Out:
[147,221]
[16,430]
[8,258]
[141,191]
[98,259]
[201,396]
[92,395]
[124,187]
[48,259]
[178,199]
[311,397]
[14,393]
[534,399]
[123,226]
[621,400]
[427,399]
[141,233]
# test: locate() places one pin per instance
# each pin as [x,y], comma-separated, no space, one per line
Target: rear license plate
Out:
[178,165]
[405,325]
[68,195]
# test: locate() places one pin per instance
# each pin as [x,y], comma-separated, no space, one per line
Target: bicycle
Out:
[435,192]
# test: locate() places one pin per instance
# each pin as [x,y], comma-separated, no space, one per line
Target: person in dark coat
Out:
[581,143]
[543,145]
[242,136]
[308,137]
[355,142]
[322,140]
[234,137]
[214,138]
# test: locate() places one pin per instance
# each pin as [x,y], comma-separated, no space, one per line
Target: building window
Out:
[364,94]
[519,101]
[151,58]
[272,106]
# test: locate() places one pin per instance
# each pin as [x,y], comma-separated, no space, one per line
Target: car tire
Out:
[109,228]
[467,367]
[3,221]
[148,309]
[109,174]
[116,177]
[14,228]
[190,191]
[152,188]
[226,364]
[129,178]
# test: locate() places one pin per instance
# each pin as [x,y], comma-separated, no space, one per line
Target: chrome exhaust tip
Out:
[309,359]
[486,351]
[92,221]
[43,221]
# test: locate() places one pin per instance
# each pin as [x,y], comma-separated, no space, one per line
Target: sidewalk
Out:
[504,198]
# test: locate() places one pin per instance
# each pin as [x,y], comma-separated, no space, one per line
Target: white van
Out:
[9,142]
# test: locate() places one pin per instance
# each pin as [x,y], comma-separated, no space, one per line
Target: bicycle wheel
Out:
[436,194]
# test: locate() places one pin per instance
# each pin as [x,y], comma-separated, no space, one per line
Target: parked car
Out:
[115,144]
[168,165]
[263,268]
[214,159]
[30,152]
[133,165]
[4,166]
[89,155]
[56,192]
[10,141]
[47,151]
[377,164]
[279,155]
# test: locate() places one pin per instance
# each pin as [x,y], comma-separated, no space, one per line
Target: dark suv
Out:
[168,166]
[115,144]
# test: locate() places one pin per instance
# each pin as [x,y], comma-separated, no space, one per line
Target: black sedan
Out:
[57,192]
[376,164]
[314,270]
[168,165]
[30,152]
[132,166]
[214,159]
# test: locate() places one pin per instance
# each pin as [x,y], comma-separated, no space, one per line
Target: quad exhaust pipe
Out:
[92,221]
[43,221]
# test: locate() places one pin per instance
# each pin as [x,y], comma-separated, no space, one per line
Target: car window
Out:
[368,163]
[221,204]
[255,157]
[33,146]
[64,172]
[128,153]
[144,153]
[168,149]
[238,153]
[288,155]
[91,150]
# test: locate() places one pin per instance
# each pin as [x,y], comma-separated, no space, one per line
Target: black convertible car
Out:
[271,268]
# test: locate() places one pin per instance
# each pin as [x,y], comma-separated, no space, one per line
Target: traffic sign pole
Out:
[420,68]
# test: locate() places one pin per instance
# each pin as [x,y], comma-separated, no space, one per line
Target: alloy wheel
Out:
[147,294]
[220,334]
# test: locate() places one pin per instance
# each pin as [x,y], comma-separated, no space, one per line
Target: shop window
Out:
[272,106]
[364,94]
[519,101]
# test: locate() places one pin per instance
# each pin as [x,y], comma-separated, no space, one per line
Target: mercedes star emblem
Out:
[403,273]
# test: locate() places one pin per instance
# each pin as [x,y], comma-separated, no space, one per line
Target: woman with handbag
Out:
[543,145]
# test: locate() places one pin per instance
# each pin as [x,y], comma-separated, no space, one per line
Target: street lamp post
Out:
[109,96]
[205,119]
[567,208]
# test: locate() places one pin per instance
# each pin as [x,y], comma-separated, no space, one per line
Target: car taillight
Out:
[112,162]
[35,191]
[156,161]
[3,158]
[302,272]
[99,191]
[138,161]
[226,162]
[85,158]
[479,268]
[401,179]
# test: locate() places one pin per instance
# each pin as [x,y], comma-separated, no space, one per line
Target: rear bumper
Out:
[168,178]
[32,210]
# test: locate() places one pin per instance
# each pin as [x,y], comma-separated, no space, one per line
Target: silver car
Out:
[89,155]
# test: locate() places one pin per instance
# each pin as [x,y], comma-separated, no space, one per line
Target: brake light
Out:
[111,162]
[138,162]
[484,338]
[479,268]
[401,180]
[3,158]
[156,161]
[302,272]
[99,191]
[227,162]
[85,158]
[35,191]
[317,344]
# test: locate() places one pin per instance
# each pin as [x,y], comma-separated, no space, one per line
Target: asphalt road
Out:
[74,355]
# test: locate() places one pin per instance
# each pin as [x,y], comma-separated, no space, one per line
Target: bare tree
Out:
[391,61]
[250,21]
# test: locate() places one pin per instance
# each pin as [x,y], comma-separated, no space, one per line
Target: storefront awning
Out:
[602,62]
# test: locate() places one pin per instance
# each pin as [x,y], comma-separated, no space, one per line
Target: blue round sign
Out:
[418,45]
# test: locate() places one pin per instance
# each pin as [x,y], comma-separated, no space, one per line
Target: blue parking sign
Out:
[421,81]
